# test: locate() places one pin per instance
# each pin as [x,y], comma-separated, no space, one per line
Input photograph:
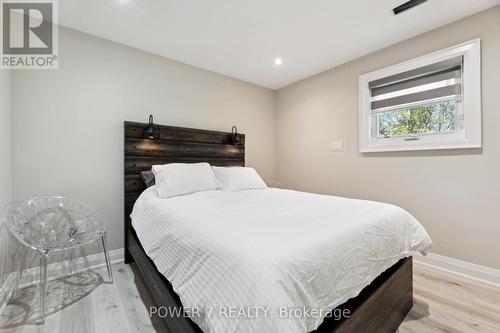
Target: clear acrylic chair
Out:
[50,225]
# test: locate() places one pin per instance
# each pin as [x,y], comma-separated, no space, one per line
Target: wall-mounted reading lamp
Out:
[150,132]
[235,136]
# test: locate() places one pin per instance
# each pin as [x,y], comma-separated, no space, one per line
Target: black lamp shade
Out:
[235,136]
[149,132]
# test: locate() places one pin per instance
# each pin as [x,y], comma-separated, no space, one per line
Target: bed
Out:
[221,254]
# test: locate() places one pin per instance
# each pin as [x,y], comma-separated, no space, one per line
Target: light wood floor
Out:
[82,303]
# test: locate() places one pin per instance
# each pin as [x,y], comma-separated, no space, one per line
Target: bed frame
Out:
[380,307]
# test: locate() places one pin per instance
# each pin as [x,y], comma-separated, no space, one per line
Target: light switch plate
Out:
[337,146]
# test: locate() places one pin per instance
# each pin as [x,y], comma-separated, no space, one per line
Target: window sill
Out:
[416,146]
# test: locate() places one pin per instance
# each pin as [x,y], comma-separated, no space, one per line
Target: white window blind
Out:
[437,82]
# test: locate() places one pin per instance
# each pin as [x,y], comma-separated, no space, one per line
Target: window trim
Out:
[469,136]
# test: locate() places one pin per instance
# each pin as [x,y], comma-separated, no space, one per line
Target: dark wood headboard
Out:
[175,145]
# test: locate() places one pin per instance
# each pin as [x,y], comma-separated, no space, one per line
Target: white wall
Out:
[455,194]
[68,123]
[5,137]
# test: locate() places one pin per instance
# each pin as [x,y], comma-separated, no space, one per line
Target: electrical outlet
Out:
[337,146]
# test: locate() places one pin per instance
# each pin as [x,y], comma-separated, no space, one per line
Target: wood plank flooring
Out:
[83,304]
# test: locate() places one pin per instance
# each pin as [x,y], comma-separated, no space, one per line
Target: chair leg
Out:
[19,271]
[108,261]
[22,263]
[43,283]
[70,263]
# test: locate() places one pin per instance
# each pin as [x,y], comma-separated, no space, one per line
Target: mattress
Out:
[247,261]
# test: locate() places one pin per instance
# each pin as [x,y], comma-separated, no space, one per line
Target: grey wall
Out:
[455,194]
[68,123]
[5,137]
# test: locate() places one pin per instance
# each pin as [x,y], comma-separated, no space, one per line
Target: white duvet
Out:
[245,261]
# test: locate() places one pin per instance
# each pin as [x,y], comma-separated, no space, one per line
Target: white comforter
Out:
[244,259]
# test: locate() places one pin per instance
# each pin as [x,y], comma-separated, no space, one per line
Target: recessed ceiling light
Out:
[278,61]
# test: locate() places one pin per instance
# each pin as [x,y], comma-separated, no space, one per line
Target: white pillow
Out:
[238,178]
[183,178]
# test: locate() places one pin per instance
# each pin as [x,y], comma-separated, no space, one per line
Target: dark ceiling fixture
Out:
[408,5]
[151,131]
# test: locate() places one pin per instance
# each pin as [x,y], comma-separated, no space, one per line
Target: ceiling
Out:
[242,38]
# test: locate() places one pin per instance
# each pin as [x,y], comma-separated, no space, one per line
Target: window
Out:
[432,102]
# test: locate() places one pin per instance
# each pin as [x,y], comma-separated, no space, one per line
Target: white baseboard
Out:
[477,273]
